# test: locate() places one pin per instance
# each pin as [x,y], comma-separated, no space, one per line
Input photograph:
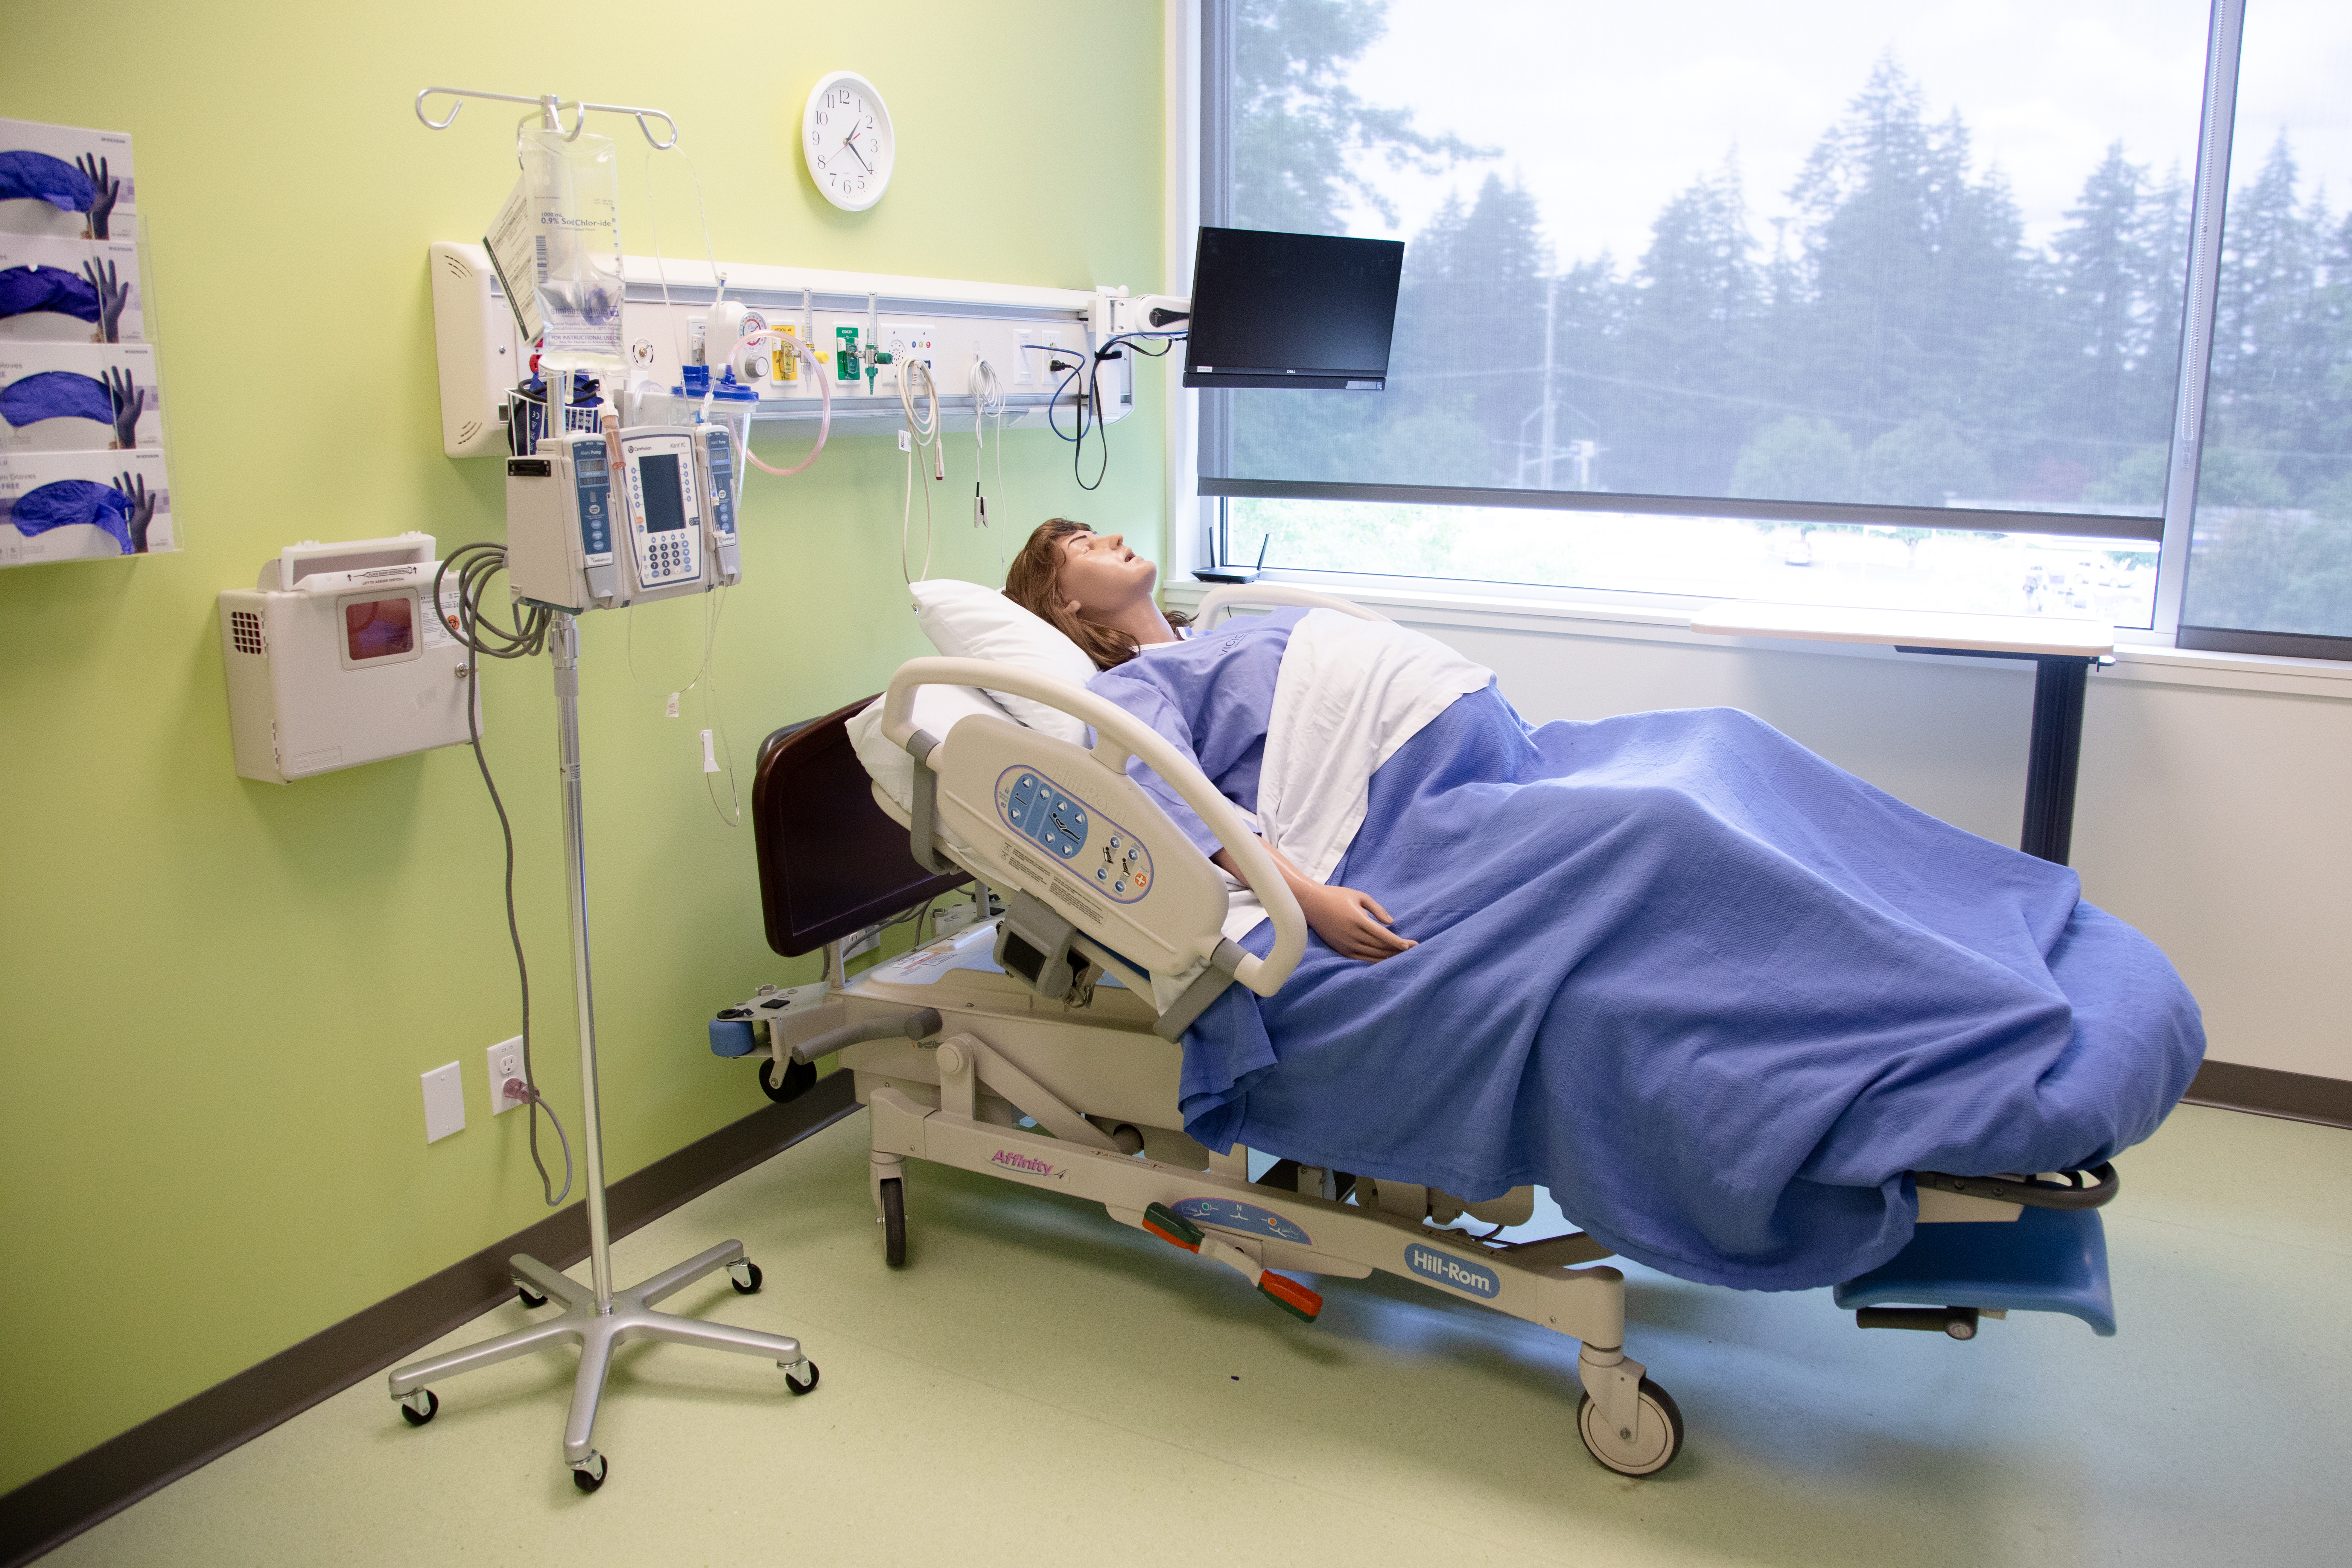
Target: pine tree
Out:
[1691,318]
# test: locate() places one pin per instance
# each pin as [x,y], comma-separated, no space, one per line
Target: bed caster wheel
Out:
[1644,1452]
[590,1473]
[419,1407]
[528,1297]
[894,1222]
[793,1371]
[744,1276]
[797,1080]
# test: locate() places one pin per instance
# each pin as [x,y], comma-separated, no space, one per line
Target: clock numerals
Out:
[850,146]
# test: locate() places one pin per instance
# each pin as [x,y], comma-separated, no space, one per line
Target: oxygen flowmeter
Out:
[596,520]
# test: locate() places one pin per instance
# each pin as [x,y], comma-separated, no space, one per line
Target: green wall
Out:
[216,996]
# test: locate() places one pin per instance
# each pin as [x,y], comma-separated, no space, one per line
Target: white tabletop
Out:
[1908,629]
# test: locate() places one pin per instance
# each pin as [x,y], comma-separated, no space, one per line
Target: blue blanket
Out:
[1715,992]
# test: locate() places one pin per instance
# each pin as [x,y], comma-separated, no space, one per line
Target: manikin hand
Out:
[1351,923]
[105,191]
[112,297]
[142,510]
[128,400]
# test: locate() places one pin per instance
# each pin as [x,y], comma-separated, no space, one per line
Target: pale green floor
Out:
[1042,1385]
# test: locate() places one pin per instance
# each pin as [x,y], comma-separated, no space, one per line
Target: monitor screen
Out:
[1292,310]
[664,505]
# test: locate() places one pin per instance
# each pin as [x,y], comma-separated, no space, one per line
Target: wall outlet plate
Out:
[505,1061]
[445,1103]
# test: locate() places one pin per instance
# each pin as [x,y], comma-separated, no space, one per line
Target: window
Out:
[1868,301]
[2270,566]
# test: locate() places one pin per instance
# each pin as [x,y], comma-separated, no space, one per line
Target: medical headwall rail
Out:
[1022,332]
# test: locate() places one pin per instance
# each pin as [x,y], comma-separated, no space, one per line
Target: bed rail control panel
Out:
[1040,813]
[1041,810]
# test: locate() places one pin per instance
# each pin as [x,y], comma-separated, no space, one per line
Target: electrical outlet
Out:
[445,1103]
[505,1062]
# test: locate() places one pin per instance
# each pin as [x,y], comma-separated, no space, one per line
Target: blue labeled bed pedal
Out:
[2044,1260]
[731,1036]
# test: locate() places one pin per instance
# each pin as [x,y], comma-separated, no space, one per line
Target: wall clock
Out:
[847,139]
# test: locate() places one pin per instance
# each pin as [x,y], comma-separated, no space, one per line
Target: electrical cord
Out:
[988,399]
[923,437]
[1089,401]
[524,637]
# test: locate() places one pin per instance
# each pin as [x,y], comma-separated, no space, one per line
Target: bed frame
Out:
[1072,1087]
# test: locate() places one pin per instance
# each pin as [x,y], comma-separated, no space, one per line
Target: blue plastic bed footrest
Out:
[2045,1260]
[731,1038]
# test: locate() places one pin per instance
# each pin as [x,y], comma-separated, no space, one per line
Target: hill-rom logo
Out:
[1446,1270]
[1023,1162]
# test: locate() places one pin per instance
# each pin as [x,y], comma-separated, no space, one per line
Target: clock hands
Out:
[849,143]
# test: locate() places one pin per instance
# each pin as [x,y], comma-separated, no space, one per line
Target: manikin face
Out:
[1101,576]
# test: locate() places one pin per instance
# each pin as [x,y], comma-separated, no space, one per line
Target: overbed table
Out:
[2063,652]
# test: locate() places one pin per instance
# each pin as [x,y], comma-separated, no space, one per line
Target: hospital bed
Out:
[1029,1047]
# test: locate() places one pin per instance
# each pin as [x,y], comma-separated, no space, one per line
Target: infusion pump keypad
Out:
[665,509]
[1113,859]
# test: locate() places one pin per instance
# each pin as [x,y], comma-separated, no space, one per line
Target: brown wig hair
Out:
[1034,583]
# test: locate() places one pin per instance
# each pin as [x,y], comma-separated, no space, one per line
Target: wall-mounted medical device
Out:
[337,656]
[863,324]
[1314,310]
[598,521]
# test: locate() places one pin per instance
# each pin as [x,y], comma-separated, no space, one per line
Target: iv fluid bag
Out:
[573,189]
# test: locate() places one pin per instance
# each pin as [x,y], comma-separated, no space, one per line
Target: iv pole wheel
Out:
[794,1383]
[1643,1452]
[744,1276]
[894,1222]
[418,1415]
[528,1297]
[590,1473]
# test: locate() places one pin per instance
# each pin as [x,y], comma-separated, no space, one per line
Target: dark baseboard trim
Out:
[52,1508]
[2297,1096]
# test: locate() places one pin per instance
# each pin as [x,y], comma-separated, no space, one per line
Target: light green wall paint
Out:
[217,995]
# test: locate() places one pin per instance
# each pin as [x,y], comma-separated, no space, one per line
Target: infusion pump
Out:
[598,521]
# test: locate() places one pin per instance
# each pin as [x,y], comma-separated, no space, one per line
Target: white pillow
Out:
[964,620]
[936,710]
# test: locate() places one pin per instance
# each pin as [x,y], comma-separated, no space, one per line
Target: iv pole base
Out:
[597,1335]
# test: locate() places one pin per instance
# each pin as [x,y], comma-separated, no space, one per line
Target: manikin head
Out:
[1088,586]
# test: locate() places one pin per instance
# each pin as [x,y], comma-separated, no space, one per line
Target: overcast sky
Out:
[1605,111]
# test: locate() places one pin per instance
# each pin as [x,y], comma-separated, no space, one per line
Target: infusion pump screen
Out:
[664,502]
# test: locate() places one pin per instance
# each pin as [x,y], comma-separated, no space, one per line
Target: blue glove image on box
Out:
[24,289]
[57,395]
[37,177]
[65,502]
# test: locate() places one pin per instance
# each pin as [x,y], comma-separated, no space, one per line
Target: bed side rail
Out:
[1118,736]
[1278,596]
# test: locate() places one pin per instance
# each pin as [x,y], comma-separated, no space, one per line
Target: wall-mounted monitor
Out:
[1292,310]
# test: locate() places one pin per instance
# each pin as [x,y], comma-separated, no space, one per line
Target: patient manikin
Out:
[1097,592]
[1717,993]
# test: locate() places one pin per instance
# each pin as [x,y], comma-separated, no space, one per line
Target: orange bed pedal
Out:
[1172,1227]
[1290,1296]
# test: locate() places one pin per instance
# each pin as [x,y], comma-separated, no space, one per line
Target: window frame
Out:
[1206,146]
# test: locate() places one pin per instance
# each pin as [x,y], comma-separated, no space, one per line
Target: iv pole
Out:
[599,1318]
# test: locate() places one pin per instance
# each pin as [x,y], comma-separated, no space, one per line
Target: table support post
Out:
[2053,755]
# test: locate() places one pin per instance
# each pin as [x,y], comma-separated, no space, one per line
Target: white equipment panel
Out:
[1022,332]
[337,656]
